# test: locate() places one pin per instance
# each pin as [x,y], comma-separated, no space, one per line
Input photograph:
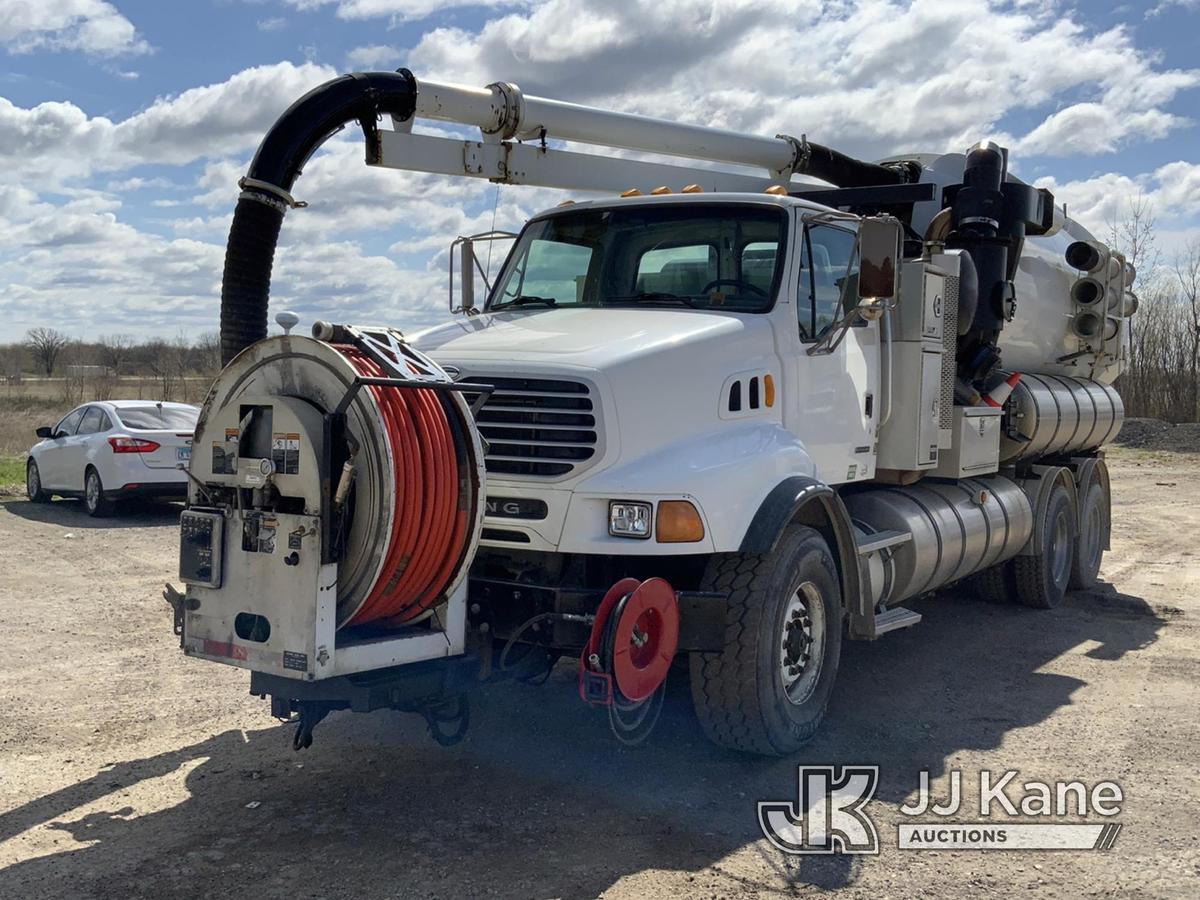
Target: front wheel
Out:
[33,484]
[767,690]
[97,504]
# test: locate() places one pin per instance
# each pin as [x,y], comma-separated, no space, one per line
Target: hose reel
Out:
[627,658]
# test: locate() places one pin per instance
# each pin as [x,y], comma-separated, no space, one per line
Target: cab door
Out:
[833,405]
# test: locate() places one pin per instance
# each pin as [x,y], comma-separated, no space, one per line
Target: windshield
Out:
[700,256]
[152,417]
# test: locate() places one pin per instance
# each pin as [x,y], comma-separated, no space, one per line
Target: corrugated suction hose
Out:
[250,252]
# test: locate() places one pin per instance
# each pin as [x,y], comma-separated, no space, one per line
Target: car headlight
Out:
[630,520]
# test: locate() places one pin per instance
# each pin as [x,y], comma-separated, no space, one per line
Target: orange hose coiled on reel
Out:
[430,524]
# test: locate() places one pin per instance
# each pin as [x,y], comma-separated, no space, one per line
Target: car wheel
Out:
[33,484]
[767,690]
[93,495]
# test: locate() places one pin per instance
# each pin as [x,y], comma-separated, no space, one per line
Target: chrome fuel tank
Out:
[1049,415]
[956,527]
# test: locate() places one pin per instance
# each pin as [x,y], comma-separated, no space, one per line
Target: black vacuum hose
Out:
[250,253]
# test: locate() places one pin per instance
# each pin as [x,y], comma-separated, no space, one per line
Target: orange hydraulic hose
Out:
[431,519]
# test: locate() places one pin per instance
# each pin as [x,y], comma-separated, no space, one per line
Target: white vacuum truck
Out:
[719,420]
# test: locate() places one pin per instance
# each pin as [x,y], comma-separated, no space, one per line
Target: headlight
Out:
[630,520]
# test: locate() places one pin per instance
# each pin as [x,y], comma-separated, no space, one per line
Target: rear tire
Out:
[994,585]
[1093,534]
[1041,580]
[766,692]
[98,506]
[33,484]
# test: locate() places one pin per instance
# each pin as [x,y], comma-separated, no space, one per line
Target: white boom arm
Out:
[506,117]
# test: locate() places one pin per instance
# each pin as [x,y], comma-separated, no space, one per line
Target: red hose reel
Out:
[431,520]
[633,642]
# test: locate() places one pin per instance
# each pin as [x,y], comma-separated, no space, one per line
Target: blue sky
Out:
[124,125]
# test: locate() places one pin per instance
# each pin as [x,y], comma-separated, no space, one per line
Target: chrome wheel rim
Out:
[93,490]
[33,484]
[802,643]
[1060,549]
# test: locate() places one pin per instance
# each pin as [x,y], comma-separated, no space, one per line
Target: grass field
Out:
[43,401]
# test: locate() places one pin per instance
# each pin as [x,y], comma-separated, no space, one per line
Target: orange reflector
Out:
[678,522]
[777,189]
[692,189]
[632,192]
[662,189]
[769,390]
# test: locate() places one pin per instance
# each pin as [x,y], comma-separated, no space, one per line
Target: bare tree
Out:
[1187,273]
[208,353]
[116,350]
[45,344]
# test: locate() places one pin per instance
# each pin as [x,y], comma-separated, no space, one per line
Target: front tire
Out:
[98,506]
[33,484]
[766,692]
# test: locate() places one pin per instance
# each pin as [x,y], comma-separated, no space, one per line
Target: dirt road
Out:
[129,771]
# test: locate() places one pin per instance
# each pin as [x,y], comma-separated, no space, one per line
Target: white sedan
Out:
[113,449]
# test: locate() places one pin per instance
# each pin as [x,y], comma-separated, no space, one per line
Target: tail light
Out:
[132,445]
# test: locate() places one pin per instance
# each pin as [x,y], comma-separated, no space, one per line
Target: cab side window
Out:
[829,278]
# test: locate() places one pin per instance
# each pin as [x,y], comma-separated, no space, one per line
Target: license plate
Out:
[183,453]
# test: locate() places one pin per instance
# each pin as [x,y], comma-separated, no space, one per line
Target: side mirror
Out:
[463,249]
[44,432]
[879,242]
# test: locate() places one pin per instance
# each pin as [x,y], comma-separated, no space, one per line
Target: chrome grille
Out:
[541,427]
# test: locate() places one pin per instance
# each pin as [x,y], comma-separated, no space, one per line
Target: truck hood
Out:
[591,337]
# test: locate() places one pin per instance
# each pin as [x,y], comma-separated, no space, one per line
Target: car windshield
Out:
[701,256]
[152,417]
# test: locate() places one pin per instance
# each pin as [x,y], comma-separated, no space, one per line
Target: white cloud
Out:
[396,10]
[93,26]
[59,141]
[1172,191]
[274,23]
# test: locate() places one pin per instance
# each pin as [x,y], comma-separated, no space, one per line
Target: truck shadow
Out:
[540,800]
[71,513]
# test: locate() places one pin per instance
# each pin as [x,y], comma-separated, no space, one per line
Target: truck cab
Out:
[657,349]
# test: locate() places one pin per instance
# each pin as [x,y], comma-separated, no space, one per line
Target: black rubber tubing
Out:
[307,123]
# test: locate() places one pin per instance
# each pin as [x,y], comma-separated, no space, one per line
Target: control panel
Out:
[201,537]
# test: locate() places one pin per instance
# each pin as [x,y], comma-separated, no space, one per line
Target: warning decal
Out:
[285,452]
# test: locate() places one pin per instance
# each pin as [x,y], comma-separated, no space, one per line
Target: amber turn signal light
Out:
[678,523]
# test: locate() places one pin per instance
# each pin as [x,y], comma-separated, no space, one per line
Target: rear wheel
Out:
[93,495]
[1089,544]
[1041,580]
[767,690]
[33,484]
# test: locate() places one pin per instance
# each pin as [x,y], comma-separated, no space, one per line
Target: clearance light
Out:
[629,520]
[567,203]
[632,192]
[769,390]
[659,191]
[692,189]
[777,190]
[678,523]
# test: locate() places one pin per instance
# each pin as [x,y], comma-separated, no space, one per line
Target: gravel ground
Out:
[127,770]
[1155,434]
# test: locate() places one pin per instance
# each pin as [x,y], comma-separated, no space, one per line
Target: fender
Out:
[802,499]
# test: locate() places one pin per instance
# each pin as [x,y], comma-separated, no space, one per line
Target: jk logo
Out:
[828,816]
